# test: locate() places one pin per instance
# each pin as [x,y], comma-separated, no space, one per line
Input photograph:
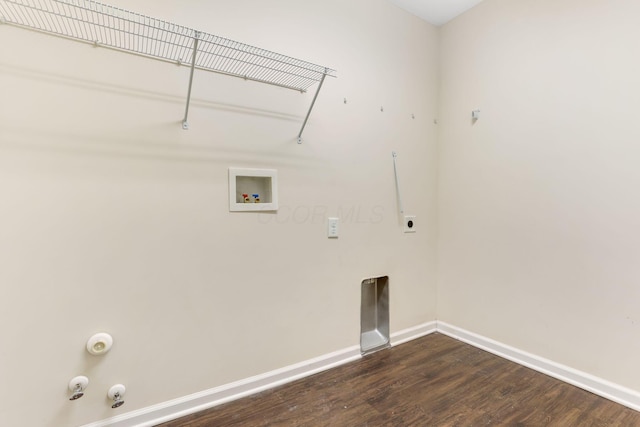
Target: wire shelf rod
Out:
[107,25]
[270,56]
[242,68]
[87,30]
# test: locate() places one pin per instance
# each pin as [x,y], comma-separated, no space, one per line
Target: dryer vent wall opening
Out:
[374,315]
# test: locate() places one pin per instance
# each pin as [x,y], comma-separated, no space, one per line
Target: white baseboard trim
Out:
[409,334]
[617,393]
[187,405]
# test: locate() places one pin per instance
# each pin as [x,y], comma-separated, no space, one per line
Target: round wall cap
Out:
[99,344]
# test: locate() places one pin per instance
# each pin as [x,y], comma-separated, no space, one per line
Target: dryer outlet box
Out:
[409,224]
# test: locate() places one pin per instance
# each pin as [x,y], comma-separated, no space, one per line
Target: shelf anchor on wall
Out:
[185,124]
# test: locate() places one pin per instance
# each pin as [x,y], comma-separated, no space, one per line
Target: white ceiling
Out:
[436,12]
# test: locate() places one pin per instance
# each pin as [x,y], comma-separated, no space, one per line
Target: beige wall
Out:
[539,213]
[113,218]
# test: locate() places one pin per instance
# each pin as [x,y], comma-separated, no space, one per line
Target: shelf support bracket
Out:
[311,108]
[185,124]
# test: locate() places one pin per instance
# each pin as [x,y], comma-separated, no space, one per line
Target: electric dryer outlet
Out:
[409,224]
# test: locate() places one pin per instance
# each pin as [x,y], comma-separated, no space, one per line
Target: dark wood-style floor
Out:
[431,381]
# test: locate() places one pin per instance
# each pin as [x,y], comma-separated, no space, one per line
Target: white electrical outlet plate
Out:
[332,227]
[409,224]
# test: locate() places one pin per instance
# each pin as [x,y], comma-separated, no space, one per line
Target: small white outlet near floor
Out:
[409,224]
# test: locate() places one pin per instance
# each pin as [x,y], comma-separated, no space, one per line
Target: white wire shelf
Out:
[104,25]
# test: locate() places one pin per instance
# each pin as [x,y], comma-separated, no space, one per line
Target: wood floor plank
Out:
[432,381]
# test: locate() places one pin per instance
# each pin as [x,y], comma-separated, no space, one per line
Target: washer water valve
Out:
[77,386]
[116,393]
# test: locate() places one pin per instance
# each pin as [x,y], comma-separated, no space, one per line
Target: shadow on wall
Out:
[93,85]
[158,139]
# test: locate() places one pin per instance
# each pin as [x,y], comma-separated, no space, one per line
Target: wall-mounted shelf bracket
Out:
[311,107]
[185,124]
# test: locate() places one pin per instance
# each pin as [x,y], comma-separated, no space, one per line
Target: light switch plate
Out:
[409,224]
[332,227]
